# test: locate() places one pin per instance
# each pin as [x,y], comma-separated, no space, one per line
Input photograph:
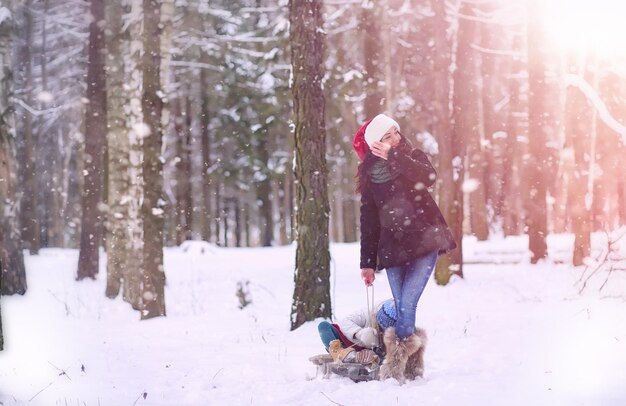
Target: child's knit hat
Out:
[387,316]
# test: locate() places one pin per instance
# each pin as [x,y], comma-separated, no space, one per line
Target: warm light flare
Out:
[586,25]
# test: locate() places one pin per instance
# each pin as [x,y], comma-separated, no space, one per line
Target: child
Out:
[358,338]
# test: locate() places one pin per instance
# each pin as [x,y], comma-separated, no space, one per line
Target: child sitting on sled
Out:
[358,338]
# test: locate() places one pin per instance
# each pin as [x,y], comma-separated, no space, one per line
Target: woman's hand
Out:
[381,149]
[367,274]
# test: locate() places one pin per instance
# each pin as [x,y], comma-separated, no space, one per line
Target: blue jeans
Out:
[407,284]
[328,333]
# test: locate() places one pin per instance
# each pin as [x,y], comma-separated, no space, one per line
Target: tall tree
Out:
[95,143]
[479,146]
[132,272]
[118,238]
[535,166]
[1,334]
[493,39]
[153,278]
[205,139]
[311,298]
[578,133]
[29,217]
[512,208]
[467,121]
[370,27]
[182,189]
[11,256]
[449,196]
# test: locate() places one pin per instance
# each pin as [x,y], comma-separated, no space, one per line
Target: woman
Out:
[402,229]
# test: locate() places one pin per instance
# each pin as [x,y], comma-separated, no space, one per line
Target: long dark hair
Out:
[363,170]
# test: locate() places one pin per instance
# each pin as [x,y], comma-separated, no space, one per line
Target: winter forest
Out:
[179,205]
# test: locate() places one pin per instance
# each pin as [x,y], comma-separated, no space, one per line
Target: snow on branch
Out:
[36,112]
[261,9]
[348,27]
[191,64]
[604,114]
[341,2]
[501,52]
[245,38]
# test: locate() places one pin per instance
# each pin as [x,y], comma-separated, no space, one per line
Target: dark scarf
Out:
[382,171]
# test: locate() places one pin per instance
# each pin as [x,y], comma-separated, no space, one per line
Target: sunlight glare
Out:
[585,25]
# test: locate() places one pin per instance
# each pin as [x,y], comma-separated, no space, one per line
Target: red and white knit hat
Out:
[372,131]
[378,127]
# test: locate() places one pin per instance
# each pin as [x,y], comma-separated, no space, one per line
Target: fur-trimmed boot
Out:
[415,363]
[398,353]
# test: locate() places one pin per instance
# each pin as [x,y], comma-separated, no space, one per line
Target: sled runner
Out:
[355,371]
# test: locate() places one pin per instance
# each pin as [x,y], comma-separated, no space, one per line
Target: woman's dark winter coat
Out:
[400,221]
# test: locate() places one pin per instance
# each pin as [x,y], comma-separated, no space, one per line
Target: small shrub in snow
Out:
[243,294]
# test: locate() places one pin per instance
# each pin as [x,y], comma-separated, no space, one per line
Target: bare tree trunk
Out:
[218,210]
[237,210]
[351,203]
[286,215]
[512,206]
[48,220]
[468,127]
[290,195]
[29,217]
[246,222]
[479,147]
[494,123]
[611,151]
[578,132]
[594,199]
[479,221]
[133,271]
[182,133]
[351,220]
[337,212]
[188,156]
[385,34]
[1,334]
[55,226]
[118,238]
[263,190]
[226,212]
[95,139]
[311,298]
[205,136]
[535,167]
[369,26]
[477,157]
[449,197]
[154,275]
[278,190]
[13,272]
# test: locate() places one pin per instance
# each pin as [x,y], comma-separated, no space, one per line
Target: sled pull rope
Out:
[370,309]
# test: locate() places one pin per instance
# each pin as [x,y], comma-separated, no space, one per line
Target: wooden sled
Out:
[357,372]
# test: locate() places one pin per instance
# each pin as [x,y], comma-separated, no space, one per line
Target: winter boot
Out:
[398,353]
[340,354]
[415,363]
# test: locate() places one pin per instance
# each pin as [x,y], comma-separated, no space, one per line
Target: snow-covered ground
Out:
[508,334]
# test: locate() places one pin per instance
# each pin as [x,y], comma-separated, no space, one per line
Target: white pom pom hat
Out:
[378,127]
